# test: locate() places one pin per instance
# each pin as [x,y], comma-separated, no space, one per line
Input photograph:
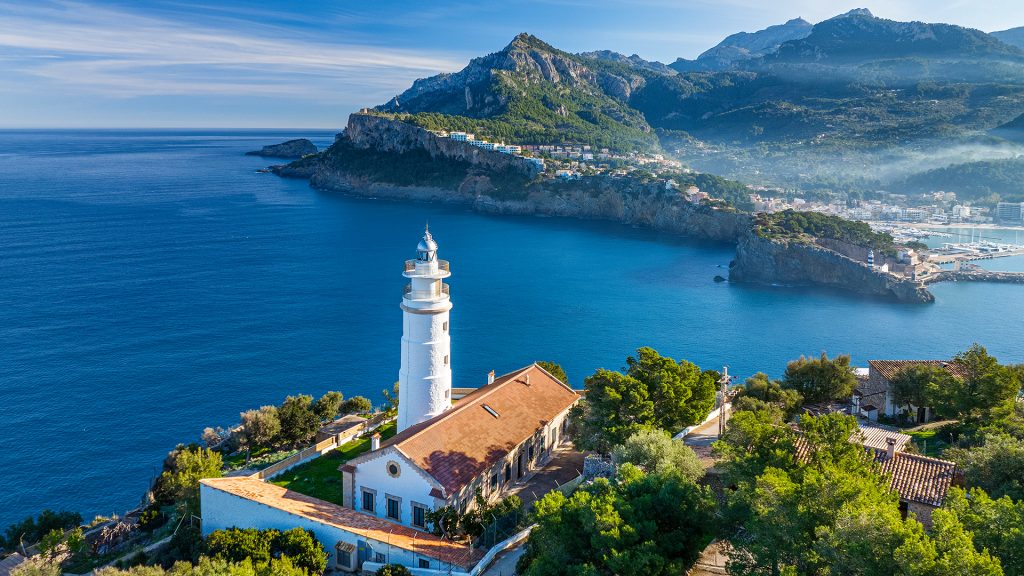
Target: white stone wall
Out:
[410,486]
[221,510]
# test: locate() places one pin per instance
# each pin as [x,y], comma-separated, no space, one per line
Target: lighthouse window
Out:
[446,327]
[445,359]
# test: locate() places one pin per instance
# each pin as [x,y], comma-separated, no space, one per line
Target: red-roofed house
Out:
[490,439]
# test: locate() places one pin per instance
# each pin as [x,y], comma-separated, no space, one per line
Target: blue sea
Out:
[153,283]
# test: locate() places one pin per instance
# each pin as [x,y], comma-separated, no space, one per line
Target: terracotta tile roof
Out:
[919,478]
[876,436]
[365,525]
[889,368]
[915,478]
[457,446]
[8,564]
[869,435]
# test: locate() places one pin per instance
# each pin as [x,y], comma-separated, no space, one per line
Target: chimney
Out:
[527,379]
[490,377]
[375,441]
[890,448]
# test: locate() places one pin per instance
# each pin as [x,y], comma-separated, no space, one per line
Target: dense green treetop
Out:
[635,525]
[260,427]
[31,530]
[555,370]
[794,224]
[616,406]
[213,567]
[298,421]
[760,389]
[179,482]
[655,451]
[655,392]
[356,405]
[920,385]
[327,406]
[682,393]
[821,379]
[997,465]
[987,390]
[997,524]
[260,547]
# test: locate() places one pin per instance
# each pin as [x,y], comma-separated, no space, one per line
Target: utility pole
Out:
[724,382]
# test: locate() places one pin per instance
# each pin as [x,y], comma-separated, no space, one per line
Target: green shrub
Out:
[393,570]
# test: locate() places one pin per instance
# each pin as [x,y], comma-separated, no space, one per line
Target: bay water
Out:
[153,283]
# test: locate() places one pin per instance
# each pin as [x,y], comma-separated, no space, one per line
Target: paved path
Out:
[565,465]
[505,565]
[701,438]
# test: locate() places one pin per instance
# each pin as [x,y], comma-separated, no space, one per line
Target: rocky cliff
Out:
[368,131]
[291,149]
[384,158]
[496,183]
[792,262]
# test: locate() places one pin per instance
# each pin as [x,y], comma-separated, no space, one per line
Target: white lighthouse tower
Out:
[425,379]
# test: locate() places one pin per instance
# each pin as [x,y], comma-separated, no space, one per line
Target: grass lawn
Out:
[237,460]
[929,442]
[320,478]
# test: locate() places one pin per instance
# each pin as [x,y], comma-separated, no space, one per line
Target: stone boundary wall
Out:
[319,449]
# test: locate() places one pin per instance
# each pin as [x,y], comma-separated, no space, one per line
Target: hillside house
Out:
[874,397]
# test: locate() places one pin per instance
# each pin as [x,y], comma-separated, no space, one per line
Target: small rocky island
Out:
[291,149]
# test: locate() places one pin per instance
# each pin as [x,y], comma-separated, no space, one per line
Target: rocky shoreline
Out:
[758,260]
[790,262]
[291,149]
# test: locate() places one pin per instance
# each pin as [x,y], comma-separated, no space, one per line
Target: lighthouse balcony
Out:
[422,269]
[443,293]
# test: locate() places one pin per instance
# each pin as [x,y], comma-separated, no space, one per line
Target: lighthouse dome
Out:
[426,250]
[426,244]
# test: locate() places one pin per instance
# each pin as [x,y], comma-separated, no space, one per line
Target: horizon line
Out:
[43,128]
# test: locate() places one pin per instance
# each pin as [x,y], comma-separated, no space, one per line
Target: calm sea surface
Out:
[152,283]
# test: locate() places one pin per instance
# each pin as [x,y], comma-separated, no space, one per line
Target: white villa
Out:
[442,455]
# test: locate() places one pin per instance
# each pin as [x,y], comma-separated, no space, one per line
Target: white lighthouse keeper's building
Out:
[425,376]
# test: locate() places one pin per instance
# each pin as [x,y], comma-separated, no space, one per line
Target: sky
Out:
[309,63]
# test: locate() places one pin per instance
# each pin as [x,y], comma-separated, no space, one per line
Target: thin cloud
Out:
[119,53]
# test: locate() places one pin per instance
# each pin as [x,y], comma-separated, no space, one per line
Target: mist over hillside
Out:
[854,102]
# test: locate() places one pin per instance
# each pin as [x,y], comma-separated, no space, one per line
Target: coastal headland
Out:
[382,157]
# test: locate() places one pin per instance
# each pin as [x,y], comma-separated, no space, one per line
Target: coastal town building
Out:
[1010,212]
[873,397]
[491,440]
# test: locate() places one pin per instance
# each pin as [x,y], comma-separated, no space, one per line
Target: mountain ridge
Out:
[854,84]
[1013,36]
[744,46]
